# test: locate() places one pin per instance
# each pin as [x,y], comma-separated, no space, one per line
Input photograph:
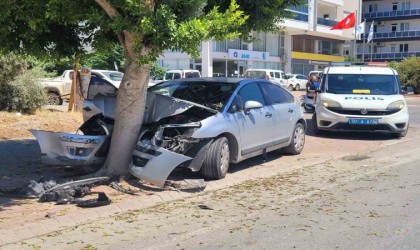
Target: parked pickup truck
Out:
[58,89]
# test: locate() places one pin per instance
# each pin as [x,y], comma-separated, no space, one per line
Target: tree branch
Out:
[108,8]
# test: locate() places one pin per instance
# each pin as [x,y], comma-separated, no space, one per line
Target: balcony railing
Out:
[389,56]
[299,16]
[326,22]
[395,13]
[397,34]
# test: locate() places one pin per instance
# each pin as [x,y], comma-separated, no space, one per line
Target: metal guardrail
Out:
[395,13]
[299,16]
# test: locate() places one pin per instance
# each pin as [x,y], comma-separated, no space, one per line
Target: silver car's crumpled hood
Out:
[64,149]
[157,106]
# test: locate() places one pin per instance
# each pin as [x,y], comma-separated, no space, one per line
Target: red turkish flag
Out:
[347,23]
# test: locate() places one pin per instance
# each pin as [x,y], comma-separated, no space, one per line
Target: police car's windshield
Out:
[361,84]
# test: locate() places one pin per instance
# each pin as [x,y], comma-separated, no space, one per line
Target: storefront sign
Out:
[247,55]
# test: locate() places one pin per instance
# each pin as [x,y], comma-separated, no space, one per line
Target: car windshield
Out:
[114,76]
[361,84]
[210,94]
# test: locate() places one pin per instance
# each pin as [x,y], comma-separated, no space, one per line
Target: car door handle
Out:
[268,115]
[87,109]
[290,111]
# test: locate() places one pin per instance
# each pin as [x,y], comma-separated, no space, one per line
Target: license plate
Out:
[363,121]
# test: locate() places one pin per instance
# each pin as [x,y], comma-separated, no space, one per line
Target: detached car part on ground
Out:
[202,124]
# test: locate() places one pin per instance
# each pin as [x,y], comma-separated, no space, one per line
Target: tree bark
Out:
[130,106]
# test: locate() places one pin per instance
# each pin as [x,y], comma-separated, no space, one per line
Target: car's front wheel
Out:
[216,161]
[290,87]
[297,88]
[298,140]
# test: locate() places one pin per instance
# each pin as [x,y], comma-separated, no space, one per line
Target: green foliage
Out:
[19,89]
[409,72]
[393,65]
[10,66]
[351,59]
[55,29]
[23,94]
[105,58]
[157,70]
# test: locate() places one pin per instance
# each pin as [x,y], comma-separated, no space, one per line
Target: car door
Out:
[256,126]
[302,80]
[284,109]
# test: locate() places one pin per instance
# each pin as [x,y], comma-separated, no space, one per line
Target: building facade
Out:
[396,30]
[306,43]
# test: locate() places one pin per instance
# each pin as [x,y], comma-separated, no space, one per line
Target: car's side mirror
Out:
[252,105]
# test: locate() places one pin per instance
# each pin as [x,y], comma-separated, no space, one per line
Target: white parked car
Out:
[361,98]
[273,75]
[296,81]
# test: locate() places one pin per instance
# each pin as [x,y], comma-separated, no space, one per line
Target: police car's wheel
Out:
[315,128]
[297,142]
[297,87]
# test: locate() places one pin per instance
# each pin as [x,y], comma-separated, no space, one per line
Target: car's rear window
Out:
[361,84]
[192,74]
[255,74]
[210,94]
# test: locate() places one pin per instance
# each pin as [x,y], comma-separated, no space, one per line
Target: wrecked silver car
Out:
[201,124]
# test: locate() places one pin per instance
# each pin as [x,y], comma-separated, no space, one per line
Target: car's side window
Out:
[177,76]
[99,85]
[251,92]
[277,74]
[276,94]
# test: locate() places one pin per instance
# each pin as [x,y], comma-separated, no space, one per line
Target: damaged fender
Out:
[154,164]
[64,149]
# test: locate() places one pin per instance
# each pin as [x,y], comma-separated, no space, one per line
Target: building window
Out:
[373,8]
[219,46]
[404,47]
[404,26]
[273,44]
[394,6]
[298,44]
[393,48]
[234,44]
[394,27]
[405,5]
[259,44]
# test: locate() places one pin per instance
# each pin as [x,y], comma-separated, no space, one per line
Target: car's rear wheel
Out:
[216,161]
[54,99]
[297,87]
[298,140]
[290,87]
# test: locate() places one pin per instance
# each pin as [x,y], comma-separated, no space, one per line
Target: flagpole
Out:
[364,39]
[355,35]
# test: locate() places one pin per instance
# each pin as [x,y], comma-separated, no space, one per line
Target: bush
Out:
[409,72]
[19,88]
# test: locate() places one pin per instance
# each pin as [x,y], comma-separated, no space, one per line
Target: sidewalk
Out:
[21,219]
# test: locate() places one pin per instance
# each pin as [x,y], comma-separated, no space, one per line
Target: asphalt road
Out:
[365,200]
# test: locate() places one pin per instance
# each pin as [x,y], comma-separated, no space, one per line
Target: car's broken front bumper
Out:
[64,149]
[154,164]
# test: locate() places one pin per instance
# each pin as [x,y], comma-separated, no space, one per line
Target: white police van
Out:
[361,98]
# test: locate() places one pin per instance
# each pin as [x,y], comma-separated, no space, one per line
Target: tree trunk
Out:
[131,101]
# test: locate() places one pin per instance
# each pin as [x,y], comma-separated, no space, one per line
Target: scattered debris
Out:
[119,188]
[188,185]
[102,200]
[205,207]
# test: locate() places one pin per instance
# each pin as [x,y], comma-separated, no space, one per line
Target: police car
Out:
[361,98]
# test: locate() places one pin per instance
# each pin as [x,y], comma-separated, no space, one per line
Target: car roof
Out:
[264,70]
[210,80]
[371,70]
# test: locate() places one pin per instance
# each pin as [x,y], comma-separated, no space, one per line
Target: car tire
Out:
[216,161]
[298,140]
[54,99]
[315,128]
[290,87]
[297,88]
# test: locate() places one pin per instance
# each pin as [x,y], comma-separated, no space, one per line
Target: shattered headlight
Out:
[397,105]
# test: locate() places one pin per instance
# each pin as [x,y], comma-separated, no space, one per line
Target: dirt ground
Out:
[16,125]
